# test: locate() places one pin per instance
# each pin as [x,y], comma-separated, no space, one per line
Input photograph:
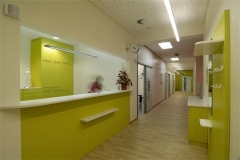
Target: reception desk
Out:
[71,126]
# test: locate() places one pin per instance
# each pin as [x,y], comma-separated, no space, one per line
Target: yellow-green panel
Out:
[219,134]
[56,74]
[56,132]
[67,79]
[197,133]
[36,62]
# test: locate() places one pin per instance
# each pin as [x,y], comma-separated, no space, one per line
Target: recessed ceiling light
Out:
[56,38]
[174,59]
[165,45]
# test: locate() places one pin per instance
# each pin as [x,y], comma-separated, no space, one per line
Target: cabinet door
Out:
[21,95]
[56,74]
[196,132]
[46,74]
[67,78]
[47,93]
[57,92]
[31,94]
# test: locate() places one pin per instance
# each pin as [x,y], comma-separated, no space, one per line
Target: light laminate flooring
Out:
[161,134]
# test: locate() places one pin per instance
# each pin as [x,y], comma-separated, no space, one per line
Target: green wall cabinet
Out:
[51,69]
[30,94]
[196,133]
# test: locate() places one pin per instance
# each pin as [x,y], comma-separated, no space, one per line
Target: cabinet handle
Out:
[46,91]
[30,92]
[57,86]
[65,90]
[66,62]
[47,87]
[57,61]
[47,60]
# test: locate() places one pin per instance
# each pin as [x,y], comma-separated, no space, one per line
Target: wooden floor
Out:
[162,133]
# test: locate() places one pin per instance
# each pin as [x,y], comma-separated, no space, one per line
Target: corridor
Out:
[160,134]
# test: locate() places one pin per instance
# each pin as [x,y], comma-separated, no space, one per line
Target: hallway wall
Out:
[214,12]
[145,56]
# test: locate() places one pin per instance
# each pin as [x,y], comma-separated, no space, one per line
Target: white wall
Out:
[87,69]
[214,12]
[145,56]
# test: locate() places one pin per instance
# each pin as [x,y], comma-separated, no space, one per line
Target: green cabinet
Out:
[30,94]
[51,69]
[21,95]
[196,133]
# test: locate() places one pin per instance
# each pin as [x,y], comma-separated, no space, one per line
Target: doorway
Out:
[167,86]
[144,89]
[141,88]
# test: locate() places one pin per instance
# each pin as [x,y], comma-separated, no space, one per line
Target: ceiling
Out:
[143,16]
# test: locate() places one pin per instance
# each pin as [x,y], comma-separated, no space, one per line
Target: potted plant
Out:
[123,80]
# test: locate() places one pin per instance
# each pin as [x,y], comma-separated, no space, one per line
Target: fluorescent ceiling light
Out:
[174,59]
[165,45]
[56,38]
[67,50]
[170,14]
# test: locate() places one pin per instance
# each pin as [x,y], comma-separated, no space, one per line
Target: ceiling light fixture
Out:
[67,50]
[56,38]
[165,45]
[174,59]
[170,14]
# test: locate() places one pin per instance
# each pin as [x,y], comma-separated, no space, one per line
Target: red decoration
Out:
[124,87]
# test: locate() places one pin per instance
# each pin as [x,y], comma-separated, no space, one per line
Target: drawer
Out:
[47,93]
[31,94]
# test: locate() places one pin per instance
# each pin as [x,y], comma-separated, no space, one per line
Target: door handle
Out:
[148,87]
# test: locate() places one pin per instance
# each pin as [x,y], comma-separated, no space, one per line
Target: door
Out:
[186,83]
[169,85]
[173,86]
[148,89]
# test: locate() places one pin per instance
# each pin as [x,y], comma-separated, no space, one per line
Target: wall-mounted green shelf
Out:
[96,116]
[205,123]
[208,47]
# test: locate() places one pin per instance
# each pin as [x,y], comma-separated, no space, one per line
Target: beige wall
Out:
[214,12]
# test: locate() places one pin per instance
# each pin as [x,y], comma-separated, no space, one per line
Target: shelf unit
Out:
[208,47]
